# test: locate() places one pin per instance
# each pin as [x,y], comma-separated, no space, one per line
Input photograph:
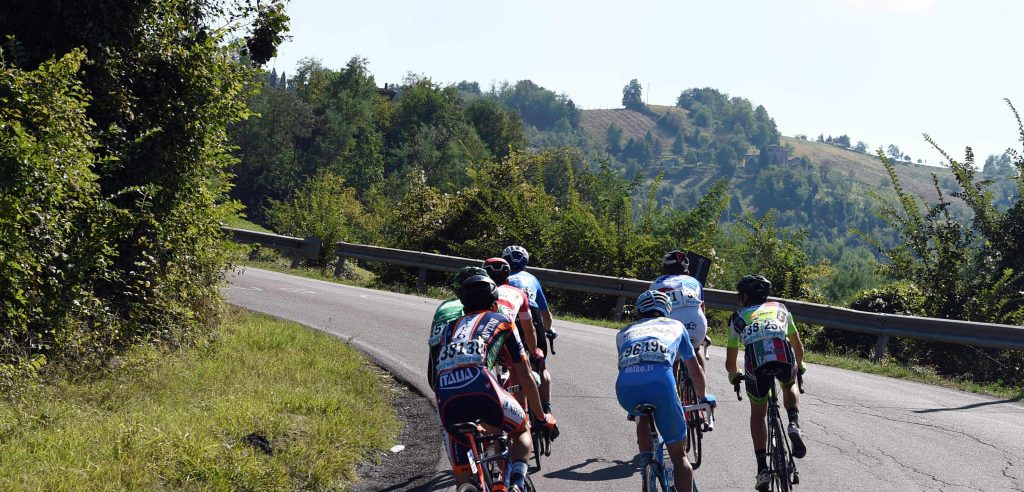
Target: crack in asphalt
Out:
[1017,484]
[868,413]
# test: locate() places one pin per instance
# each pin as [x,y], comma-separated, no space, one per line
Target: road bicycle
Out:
[781,465]
[655,475]
[541,438]
[697,421]
[489,459]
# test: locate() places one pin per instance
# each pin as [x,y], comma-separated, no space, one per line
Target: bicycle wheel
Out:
[529,484]
[468,487]
[694,433]
[538,447]
[780,454]
[651,476]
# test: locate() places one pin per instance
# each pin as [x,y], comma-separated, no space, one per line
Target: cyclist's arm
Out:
[432,366]
[545,310]
[732,349]
[697,376]
[524,374]
[529,334]
[798,346]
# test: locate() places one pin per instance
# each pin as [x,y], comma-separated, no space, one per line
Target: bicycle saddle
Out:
[464,428]
[644,409]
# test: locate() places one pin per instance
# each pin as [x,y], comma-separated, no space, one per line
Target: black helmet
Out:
[478,292]
[466,272]
[754,284]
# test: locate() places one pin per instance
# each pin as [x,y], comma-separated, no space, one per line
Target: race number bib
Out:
[643,351]
[462,353]
[763,329]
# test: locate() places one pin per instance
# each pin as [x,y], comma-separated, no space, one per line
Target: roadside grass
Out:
[197,418]
[240,223]
[716,330]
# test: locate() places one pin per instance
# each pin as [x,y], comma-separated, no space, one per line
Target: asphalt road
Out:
[863,432]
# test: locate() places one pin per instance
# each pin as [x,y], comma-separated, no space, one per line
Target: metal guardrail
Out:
[881,325]
[297,248]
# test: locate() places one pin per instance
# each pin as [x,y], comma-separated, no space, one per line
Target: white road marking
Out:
[297,290]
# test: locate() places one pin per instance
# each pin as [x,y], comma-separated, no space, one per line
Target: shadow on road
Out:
[615,470]
[967,407]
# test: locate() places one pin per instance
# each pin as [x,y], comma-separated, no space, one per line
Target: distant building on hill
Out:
[776,154]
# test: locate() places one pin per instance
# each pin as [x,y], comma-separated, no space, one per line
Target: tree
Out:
[861,147]
[998,165]
[678,147]
[163,82]
[613,139]
[894,152]
[632,96]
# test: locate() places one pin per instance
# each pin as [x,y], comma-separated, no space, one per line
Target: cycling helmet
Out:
[675,257]
[498,269]
[516,256]
[478,292]
[654,301]
[466,272]
[754,284]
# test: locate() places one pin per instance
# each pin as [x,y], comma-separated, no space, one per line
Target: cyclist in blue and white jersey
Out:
[647,350]
[687,296]
[518,258]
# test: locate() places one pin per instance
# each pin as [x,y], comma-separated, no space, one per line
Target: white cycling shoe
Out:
[763,480]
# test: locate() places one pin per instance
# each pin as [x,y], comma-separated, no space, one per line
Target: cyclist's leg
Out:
[515,423]
[791,401]
[681,466]
[758,385]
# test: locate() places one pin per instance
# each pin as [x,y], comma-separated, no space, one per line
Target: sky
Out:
[880,71]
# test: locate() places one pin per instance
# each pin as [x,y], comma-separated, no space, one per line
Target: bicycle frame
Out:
[654,473]
[483,465]
[780,457]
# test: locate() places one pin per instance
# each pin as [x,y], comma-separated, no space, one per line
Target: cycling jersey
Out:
[465,389]
[513,302]
[687,295]
[447,311]
[526,281]
[647,350]
[763,330]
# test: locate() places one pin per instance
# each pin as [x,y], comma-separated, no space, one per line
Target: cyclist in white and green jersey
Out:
[772,350]
[447,311]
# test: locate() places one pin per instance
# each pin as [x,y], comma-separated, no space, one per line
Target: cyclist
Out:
[518,258]
[466,391]
[772,350]
[513,302]
[447,311]
[647,350]
[687,296]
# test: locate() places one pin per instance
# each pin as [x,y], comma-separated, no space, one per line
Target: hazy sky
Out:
[882,71]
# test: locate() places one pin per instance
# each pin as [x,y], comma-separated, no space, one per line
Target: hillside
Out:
[820,187]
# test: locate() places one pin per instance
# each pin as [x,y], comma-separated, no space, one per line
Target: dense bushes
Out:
[113,185]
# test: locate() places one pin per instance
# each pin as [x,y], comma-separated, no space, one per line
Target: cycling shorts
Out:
[760,380]
[470,394]
[695,321]
[654,384]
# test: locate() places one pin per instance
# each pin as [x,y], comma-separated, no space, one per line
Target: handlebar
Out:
[551,341]
[736,387]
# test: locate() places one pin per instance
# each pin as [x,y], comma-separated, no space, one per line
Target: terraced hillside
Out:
[865,169]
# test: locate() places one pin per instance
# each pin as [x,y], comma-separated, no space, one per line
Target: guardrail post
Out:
[339,269]
[421,281]
[620,304]
[883,340]
[297,259]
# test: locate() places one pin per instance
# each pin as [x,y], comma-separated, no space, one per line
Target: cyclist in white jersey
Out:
[687,296]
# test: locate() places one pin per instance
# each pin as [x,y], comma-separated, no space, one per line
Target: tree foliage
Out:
[632,96]
[142,157]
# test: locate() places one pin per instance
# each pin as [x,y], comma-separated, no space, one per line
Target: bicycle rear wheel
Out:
[779,452]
